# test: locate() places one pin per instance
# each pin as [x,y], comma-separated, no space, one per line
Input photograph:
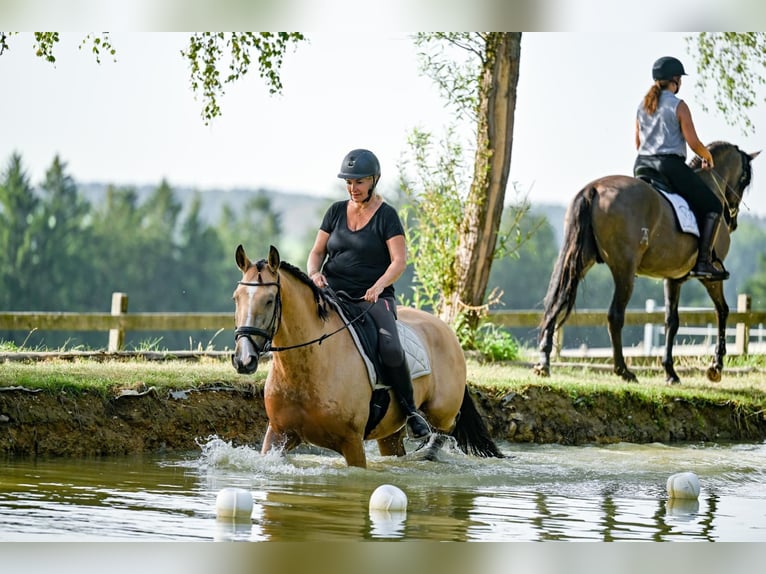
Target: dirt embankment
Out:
[41,423]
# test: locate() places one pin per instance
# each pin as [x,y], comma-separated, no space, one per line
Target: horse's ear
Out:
[274,258]
[754,154]
[241,257]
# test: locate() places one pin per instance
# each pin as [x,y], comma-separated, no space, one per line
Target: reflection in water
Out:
[387,524]
[545,492]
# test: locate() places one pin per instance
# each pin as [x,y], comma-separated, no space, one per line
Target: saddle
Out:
[685,218]
[364,332]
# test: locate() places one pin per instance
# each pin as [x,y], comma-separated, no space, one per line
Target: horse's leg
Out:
[434,446]
[672,296]
[353,451]
[276,441]
[715,290]
[393,444]
[623,289]
[543,367]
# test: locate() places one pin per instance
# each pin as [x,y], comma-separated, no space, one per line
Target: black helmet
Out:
[667,68]
[359,163]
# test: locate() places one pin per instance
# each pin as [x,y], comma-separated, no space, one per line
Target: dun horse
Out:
[625,223]
[318,389]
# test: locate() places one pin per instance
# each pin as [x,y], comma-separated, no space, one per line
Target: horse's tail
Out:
[578,253]
[471,433]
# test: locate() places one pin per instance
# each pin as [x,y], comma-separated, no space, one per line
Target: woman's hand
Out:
[318,279]
[373,293]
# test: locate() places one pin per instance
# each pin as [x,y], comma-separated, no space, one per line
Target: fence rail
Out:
[119,321]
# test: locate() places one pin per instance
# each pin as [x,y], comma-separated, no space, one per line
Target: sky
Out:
[136,121]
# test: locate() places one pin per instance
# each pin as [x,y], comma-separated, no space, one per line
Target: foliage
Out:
[208,49]
[492,341]
[206,54]
[60,253]
[731,66]
[433,212]
[449,60]
[478,73]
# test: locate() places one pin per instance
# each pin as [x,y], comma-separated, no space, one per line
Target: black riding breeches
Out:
[685,182]
[383,313]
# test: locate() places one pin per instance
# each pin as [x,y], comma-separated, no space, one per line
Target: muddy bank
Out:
[42,423]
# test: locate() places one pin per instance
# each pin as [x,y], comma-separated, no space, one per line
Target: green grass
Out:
[108,377]
[81,375]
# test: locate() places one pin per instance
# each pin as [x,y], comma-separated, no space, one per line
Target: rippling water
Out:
[543,492]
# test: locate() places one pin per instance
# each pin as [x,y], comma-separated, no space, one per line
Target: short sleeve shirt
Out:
[356,259]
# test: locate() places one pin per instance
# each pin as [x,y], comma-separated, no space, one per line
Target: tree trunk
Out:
[484,205]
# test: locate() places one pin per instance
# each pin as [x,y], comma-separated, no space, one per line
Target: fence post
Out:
[650,306]
[117,336]
[742,333]
[558,342]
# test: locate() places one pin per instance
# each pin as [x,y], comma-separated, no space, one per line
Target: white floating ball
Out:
[388,497]
[683,485]
[234,503]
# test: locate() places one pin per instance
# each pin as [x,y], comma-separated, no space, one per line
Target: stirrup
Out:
[711,273]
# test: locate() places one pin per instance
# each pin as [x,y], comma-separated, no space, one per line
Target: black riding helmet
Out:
[667,68]
[360,163]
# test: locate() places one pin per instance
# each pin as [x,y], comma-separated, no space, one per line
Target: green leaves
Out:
[731,66]
[208,51]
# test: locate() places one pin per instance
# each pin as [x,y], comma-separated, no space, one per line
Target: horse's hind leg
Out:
[434,446]
[672,296]
[393,444]
[715,290]
[276,441]
[623,289]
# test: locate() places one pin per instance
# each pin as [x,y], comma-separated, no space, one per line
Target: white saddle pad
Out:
[417,357]
[686,219]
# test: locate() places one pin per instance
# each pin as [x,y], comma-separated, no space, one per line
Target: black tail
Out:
[578,253]
[471,433]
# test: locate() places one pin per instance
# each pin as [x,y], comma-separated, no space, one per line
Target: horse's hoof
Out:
[541,370]
[714,374]
[627,376]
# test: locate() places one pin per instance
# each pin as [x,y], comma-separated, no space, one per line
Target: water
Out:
[544,492]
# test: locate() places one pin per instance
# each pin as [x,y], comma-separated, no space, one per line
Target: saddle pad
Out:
[417,358]
[686,219]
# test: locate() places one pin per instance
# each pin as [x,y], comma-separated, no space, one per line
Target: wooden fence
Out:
[119,321]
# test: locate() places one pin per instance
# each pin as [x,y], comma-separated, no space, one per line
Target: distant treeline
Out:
[62,251]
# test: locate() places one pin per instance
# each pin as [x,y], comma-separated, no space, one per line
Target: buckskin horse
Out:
[624,222]
[319,390]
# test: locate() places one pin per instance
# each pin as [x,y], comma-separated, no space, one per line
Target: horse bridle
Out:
[721,183]
[248,332]
[268,335]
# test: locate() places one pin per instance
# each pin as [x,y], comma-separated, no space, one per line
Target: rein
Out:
[720,191]
[246,331]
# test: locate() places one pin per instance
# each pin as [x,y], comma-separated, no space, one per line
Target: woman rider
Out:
[360,249]
[664,127]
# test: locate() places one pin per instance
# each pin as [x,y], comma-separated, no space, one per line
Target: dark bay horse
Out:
[624,222]
[318,390]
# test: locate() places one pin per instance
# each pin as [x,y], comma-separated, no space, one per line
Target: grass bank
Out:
[88,407]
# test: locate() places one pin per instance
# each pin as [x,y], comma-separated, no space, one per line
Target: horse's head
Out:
[730,177]
[257,309]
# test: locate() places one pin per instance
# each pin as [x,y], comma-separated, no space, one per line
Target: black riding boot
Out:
[704,267]
[401,383]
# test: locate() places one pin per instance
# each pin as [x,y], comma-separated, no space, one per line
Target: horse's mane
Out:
[696,162]
[319,297]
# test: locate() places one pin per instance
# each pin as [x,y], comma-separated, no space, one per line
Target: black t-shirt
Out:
[356,259]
